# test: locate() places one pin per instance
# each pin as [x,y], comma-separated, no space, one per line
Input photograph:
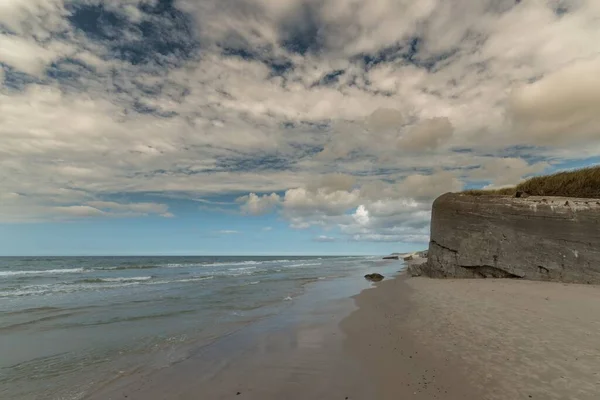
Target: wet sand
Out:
[422,338]
[296,355]
[405,338]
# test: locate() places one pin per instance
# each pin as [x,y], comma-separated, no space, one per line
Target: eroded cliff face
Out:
[540,238]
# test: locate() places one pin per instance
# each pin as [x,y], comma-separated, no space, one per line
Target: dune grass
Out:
[492,192]
[584,183]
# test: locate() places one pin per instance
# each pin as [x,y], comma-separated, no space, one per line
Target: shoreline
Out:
[295,354]
[260,362]
[418,338]
[107,322]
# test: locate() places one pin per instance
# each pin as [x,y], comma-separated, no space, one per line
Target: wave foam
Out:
[125,267]
[303,265]
[234,263]
[228,263]
[197,279]
[126,279]
[44,272]
[118,279]
[94,284]
[241,269]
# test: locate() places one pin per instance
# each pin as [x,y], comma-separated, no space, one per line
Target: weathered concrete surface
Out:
[539,238]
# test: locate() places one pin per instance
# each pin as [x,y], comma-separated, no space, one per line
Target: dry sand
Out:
[421,338]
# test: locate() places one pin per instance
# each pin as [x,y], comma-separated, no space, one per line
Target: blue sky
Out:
[270,127]
[201,234]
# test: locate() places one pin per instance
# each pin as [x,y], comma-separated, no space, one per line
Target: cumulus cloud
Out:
[506,171]
[257,205]
[332,183]
[427,135]
[414,186]
[388,133]
[384,119]
[372,211]
[562,107]
[321,200]
[343,116]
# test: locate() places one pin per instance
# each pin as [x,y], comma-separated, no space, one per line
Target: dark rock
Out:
[391,258]
[374,277]
[520,195]
[414,269]
[538,238]
[408,258]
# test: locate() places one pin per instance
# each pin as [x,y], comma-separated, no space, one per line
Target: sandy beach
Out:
[297,354]
[416,338]
[478,339]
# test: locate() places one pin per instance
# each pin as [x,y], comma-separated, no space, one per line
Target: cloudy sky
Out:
[278,127]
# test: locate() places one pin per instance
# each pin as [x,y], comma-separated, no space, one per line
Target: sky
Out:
[279,127]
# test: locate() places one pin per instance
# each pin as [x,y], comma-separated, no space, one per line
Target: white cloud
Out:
[332,183]
[228,232]
[429,186]
[79,211]
[361,216]
[506,171]
[28,56]
[402,220]
[257,205]
[428,135]
[374,211]
[325,239]
[322,200]
[315,109]
[560,108]
[388,134]
[142,208]
[33,18]
[375,237]
[68,205]
[384,119]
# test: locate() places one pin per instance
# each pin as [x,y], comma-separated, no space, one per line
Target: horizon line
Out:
[186,255]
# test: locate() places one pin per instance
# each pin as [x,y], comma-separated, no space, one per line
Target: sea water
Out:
[69,325]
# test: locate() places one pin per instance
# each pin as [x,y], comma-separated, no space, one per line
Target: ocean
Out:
[71,325]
